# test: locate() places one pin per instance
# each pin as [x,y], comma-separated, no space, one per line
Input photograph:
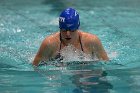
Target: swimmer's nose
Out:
[68,33]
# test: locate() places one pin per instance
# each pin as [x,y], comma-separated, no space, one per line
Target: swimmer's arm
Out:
[99,50]
[40,54]
[37,59]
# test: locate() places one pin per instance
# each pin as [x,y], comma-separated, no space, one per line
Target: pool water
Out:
[25,23]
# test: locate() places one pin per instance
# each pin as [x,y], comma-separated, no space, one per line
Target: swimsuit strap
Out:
[79,41]
[58,56]
[60,43]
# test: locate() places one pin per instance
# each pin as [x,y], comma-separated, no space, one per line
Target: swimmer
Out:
[69,34]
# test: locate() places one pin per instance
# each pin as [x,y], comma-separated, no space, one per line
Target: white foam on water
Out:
[70,53]
[113,54]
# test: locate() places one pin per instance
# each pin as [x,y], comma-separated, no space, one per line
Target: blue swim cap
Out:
[69,19]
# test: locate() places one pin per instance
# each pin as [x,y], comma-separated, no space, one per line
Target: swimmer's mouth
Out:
[67,38]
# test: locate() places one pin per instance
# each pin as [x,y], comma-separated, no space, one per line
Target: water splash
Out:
[70,53]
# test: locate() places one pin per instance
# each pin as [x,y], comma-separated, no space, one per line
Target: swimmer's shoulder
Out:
[52,38]
[88,36]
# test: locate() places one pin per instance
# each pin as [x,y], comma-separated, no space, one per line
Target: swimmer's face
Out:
[68,35]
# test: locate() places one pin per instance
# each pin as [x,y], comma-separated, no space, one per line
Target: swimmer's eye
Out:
[64,30]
